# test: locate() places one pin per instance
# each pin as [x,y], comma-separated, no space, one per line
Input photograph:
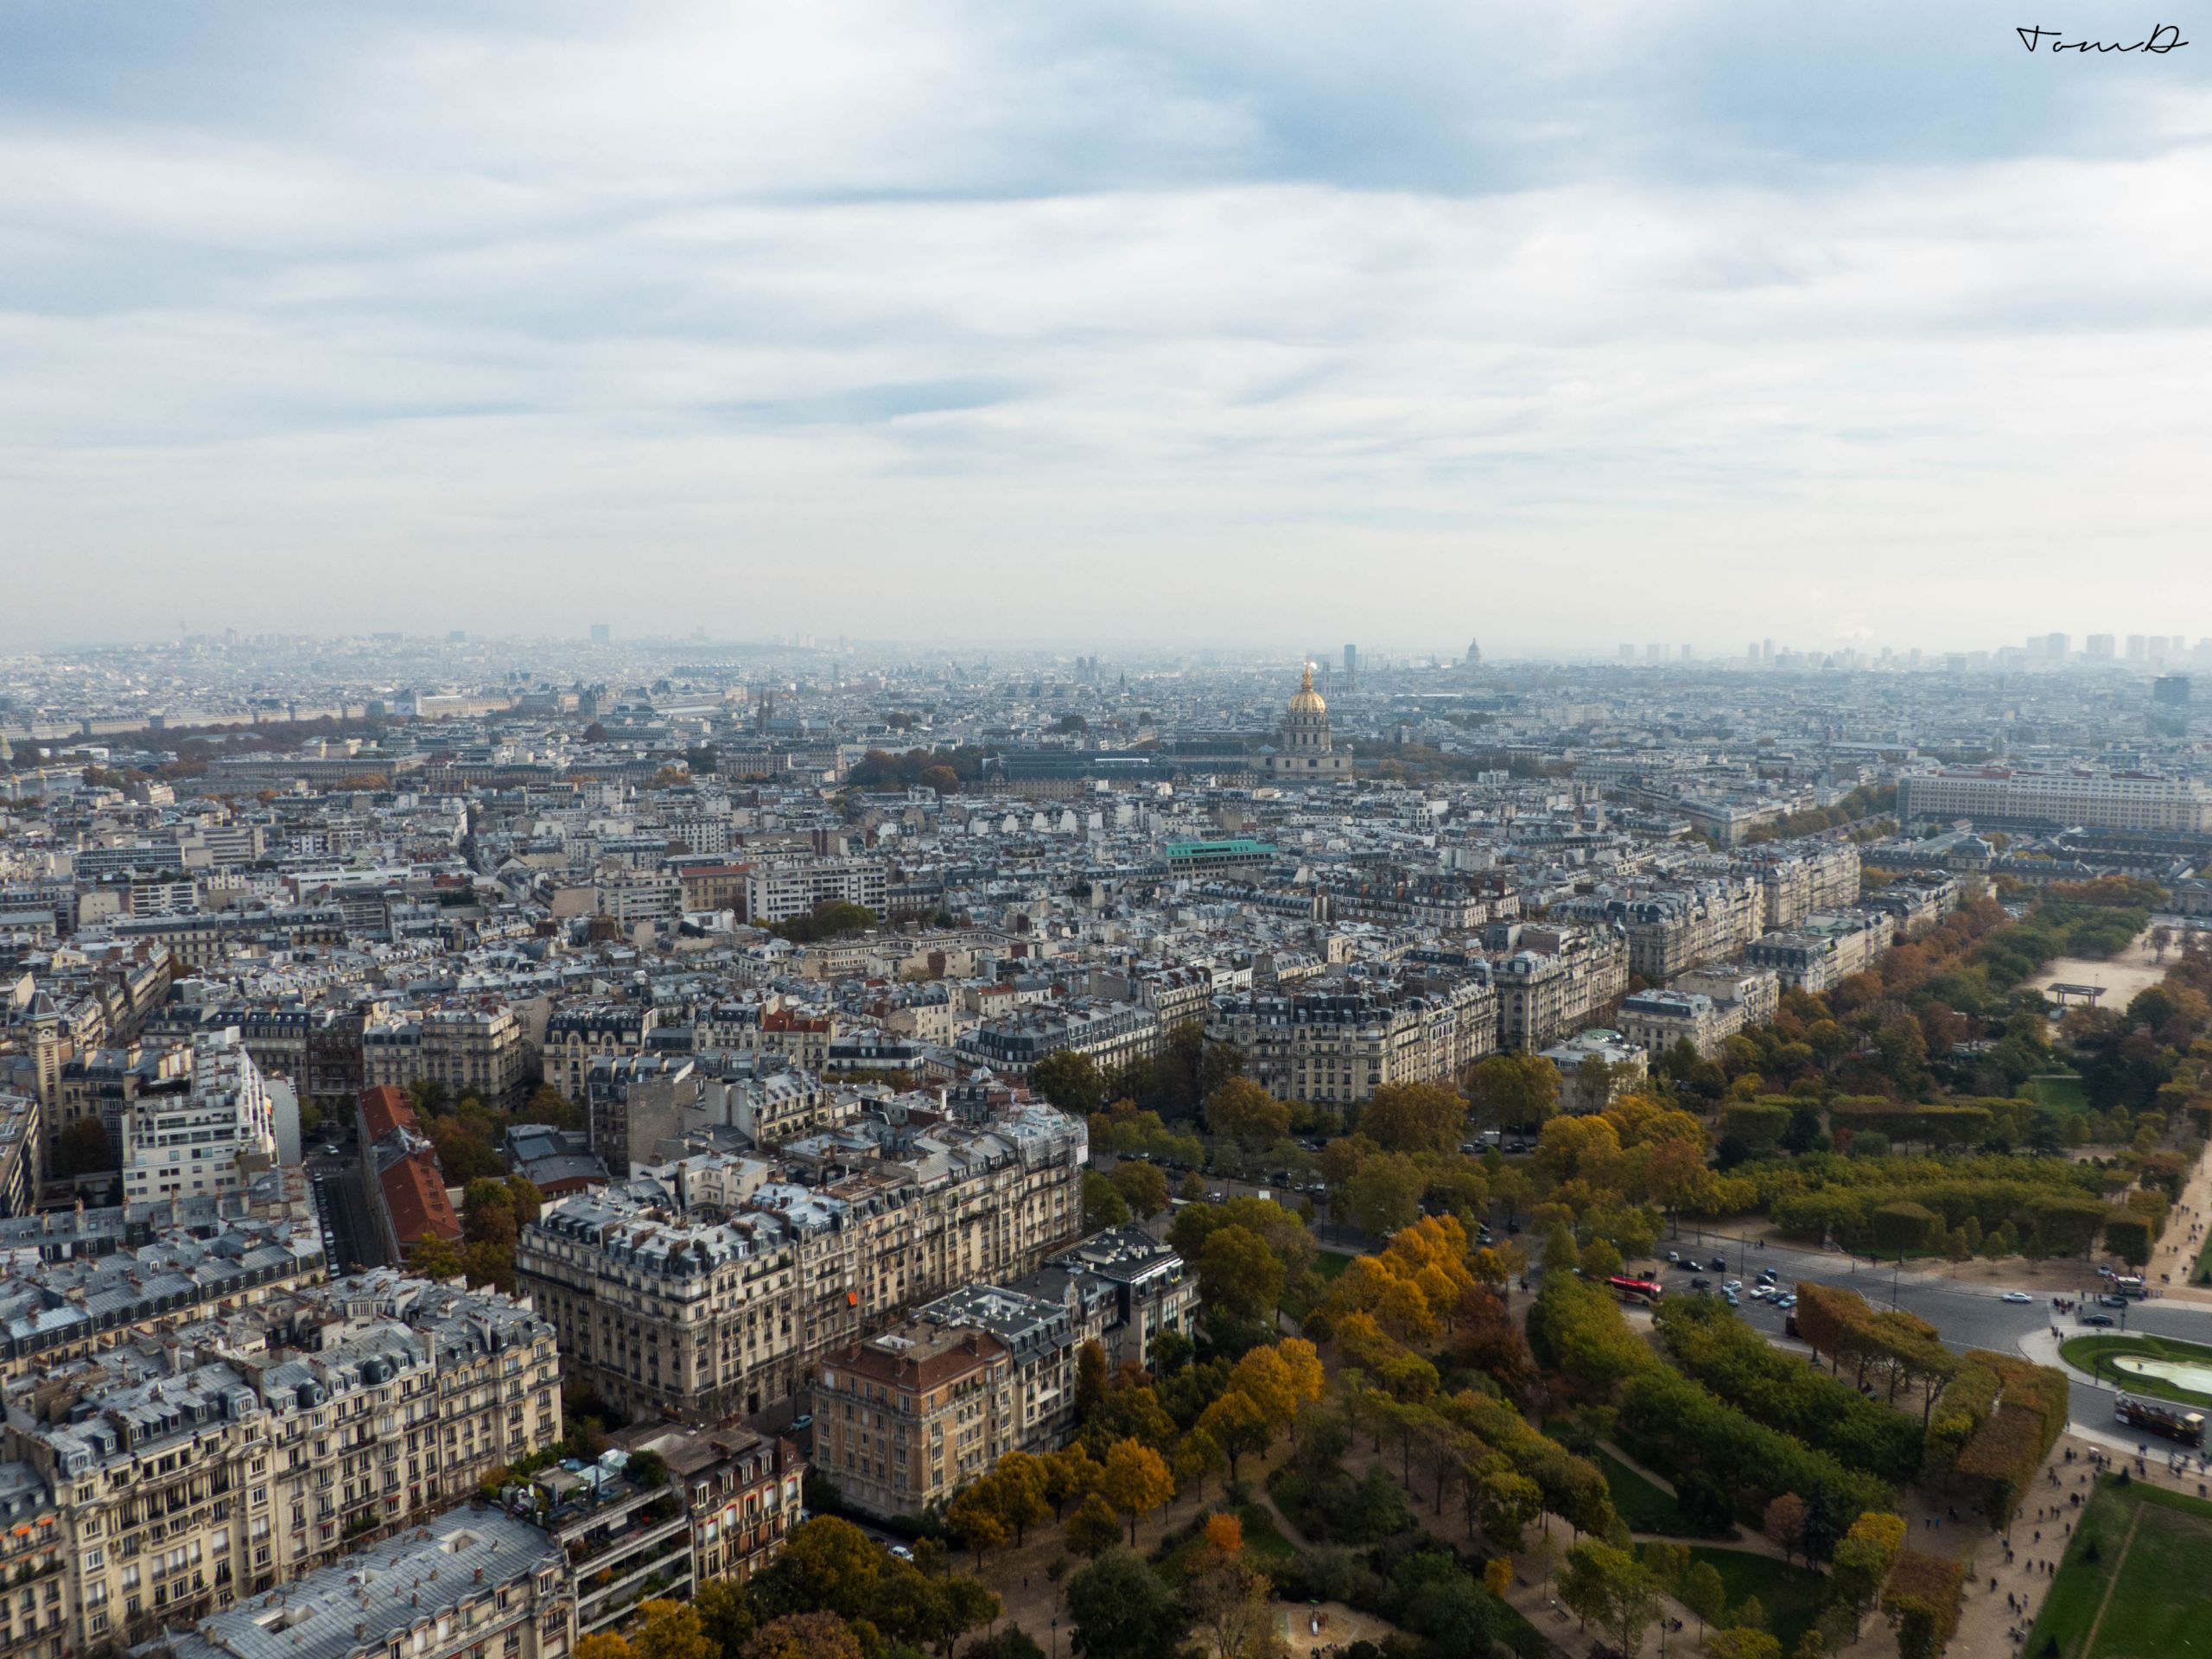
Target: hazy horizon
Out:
[1688,321]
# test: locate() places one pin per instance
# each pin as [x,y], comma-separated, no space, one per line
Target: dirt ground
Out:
[2136,968]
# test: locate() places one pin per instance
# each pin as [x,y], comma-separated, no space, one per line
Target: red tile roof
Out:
[414,1193]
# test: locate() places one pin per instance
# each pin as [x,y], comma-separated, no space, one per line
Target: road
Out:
[1969,1316]
[349,1233]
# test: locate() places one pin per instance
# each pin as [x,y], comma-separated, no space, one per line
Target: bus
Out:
[1636,1290]
[2174,1422]
[2130,1285]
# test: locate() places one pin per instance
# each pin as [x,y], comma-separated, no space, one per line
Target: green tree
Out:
[1119,1610]
[1704,1594]
[83,1149]
[1102,1203]
[1094,1527]
[1071,1081]
[1238,1275]
[1143,1187]
[1240,1110]
[1514,1089]
[726,1614]
[1742,1643]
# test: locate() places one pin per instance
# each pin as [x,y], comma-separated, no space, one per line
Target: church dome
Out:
[1306,699]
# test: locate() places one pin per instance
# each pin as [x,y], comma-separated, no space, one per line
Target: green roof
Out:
[1238,846]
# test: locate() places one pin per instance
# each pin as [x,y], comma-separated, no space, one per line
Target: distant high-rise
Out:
[1751,650]
[2138,648]
[601,633]
[1688,652]
[1351,666]
[1628,653]
[1766,650]
[1655,653]
[2098,648]
[2055,647]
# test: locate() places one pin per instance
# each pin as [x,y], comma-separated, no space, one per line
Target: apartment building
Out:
[634,1105]
[1917,899]
[202,1138]
[465,1051]
[469,1584]
[36,1621]
[1799,879]
[1672,930]
[1339,1046]
[1825,949]
[1557,982]
[20,1153]
[191,1470]
[906,1418]
[76,1282]
[581,1032]
[1742,994]
[743,1491]
[1112,1034]
[406,1184]
[2003,798]
[1656,1020]
[703,1287]
[778,892]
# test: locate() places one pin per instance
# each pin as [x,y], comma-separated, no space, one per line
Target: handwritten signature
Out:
[2165,38]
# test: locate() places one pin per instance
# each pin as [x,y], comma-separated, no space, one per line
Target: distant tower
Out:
[1308,754]
[1474,658]
[1352,666]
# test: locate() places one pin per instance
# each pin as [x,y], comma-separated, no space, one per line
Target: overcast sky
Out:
[1619,319]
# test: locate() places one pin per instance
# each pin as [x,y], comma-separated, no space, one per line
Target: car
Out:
[1693,1265]
[1720,1264]
[1787,1301]
[804,1420]
[330,1151]
[1216,1197]
[1731,1295]
[902,1553]
[1700,1284]
[1674,1258]
[2113,1301]
[2096,1318]
[1767,1276]
[1760,1293]
[1735,1284]
[2017,1296]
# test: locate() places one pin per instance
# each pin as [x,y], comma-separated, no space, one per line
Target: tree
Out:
[1227,1603]
[1235,1423]
[1197,1456]
[1135,1481]
[1384,1193]
[1863,1560]
[976,1519]
[1785,1524]
[1240,1110]
[1119,1609]
[602,1644]
[1023,1486]
[1514,1089]
[1414,1117]
[1089,1378]
[1070,1473]
[1102,1203]
[670,1629]
[726,1614]
[803,1635]
[1143,1187]
[1070,1080]
[826,1562]
[1093,1527]
[1238,1275]
[1704,1594]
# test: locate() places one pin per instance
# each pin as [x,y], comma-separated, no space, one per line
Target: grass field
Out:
[1645,1507]
[1331,1264]
[2202,1272]
[2147,1595]
[2094,1355]
[2063,1091]
[1261,1537]
[1791,1595]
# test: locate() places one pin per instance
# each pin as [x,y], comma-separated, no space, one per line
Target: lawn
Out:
[2093,1355]
[2151,1579]
[1791,1595]
[1331,1264]
[1261,1537]
[2063,1091]
[2204,1273]
[1645,1507]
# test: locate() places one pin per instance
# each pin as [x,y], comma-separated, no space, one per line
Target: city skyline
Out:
[1164,323]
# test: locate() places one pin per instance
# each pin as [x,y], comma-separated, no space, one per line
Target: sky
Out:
[1201,322]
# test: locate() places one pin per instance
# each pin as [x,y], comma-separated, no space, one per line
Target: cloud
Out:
[1661,312]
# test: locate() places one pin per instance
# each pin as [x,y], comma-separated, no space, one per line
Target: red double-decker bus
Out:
[1636,1290]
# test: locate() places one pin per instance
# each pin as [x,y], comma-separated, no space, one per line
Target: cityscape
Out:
[888,831]
[657,1120]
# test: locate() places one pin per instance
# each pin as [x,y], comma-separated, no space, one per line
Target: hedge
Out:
[1935,1582]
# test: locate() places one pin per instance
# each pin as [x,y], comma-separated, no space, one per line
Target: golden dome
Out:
[1308,701]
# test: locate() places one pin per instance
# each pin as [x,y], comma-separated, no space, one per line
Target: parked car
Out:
[1674,1258]
[1760,1293]
[1700,1284]
[1720,1264]
[1767,1276]
[1731,1295]
[2113,1301]
[1693,1265]
[2096,1318]
[1787,1301]
[1735,1284]
[902,1553]
[2017,1296]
